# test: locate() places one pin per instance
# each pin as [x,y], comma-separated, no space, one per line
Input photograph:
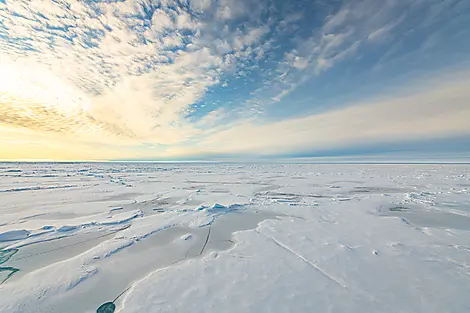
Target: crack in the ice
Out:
[226,240]
[112,305]
[12,270]
[5,255]
[73,244]
[207,239]
[240,256]
[115,299]
[304,259]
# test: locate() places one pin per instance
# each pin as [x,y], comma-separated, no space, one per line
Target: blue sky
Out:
[228,79]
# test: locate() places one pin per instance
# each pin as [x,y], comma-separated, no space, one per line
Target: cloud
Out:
[176,75]
[436,111]
[200,5]
[354,25]
[126,72]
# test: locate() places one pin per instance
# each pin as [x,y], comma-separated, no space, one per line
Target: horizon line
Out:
[293,161]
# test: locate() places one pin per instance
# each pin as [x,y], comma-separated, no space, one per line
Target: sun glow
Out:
[36,85]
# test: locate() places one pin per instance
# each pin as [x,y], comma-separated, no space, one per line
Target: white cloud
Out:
[255,34]
[161,21]
[343,32]
[108,71]
[438,110]
[233,9]
[384,32]
[127,72]
[200,5]
[224,13]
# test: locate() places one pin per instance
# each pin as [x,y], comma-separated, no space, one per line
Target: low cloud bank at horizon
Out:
[203,79]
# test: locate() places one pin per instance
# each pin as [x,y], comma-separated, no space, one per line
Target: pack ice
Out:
[128,237]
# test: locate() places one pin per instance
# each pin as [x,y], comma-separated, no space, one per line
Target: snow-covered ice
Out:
[234,237]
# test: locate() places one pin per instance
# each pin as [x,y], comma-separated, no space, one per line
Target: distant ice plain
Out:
[234,237]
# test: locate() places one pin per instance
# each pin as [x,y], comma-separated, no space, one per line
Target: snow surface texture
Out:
[234,238]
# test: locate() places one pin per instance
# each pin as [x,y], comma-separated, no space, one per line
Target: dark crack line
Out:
[304,259]
[227,240]
[207,240]
[172,263]
[12,270]
[73,244]
[115,299]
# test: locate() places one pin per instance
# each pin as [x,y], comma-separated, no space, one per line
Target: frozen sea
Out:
[234,238]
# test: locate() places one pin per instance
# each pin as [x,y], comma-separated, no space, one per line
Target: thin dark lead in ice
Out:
[115,299]
[109,307]
[5,255]
[12,270]
[73,244]
[207,239]
[205,244]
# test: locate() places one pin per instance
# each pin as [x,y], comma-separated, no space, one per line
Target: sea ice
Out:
[234,238]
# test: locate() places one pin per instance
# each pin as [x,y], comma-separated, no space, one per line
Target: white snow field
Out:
[222,238]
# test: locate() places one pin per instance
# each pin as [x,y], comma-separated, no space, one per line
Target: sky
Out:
[234,79]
